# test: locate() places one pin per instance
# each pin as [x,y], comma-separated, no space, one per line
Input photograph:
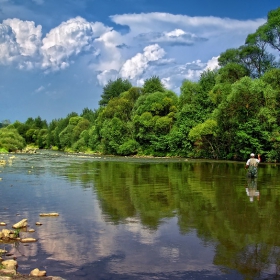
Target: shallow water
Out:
[129,218]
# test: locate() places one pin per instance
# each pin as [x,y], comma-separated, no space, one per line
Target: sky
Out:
[57,55]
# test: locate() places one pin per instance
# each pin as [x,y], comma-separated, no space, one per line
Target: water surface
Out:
[129,218]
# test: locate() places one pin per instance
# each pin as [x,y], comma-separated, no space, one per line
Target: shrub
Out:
[11,140]
[130,147]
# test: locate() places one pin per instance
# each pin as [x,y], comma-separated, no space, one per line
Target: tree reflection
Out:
[204,196]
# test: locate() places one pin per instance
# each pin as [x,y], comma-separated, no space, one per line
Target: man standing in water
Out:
[252,165]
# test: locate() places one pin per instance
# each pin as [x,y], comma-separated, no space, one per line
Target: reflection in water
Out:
[143,219]
[252,190]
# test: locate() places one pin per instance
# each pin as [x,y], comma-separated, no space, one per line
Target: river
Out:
[139,218]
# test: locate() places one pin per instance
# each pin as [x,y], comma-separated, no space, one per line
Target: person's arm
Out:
[259,157]
[247,164]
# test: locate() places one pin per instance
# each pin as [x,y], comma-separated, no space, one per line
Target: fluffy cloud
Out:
[9,49]
[69,39]
[21,42]
[140,62]
[173,47]
[27,36]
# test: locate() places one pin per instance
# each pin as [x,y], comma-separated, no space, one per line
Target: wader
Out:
[253,168]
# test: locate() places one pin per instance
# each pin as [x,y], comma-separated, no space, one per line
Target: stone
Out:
[9,271]
[38,224]
[6,233]
[21,224]
[49,214]
[31,230]
[9,264]
[2,251]
[38,273]
[28,240]
[3,224]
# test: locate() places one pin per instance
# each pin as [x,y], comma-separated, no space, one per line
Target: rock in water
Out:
[38,273]
[49,214]
[27,240]
[21,224]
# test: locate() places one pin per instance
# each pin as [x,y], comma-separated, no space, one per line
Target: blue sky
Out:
[56,56]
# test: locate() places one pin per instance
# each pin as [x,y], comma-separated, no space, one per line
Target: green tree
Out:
[153,118]
[270,31]
[113,134]
[71,133]
[253,57]
[232,72]
[204,135]
[31,135]
[21,128]
[113,89]
[133,94]
[189,91]
[11,140]
[153,84]
[89,114]
[246,118]
[42,137]
[207,79]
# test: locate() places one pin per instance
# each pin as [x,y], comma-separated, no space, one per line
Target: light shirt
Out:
[248,161]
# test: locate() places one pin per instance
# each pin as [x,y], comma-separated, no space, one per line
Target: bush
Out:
[11,140]
[3,151]
[130,147]
[80,146]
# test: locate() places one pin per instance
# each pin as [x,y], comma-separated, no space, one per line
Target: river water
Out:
[131,218]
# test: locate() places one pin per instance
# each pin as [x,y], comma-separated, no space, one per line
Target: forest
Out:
[227,114]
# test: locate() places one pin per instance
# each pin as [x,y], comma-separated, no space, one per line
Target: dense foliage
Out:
[227,114]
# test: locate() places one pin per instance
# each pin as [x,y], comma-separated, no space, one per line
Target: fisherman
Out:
[252,165]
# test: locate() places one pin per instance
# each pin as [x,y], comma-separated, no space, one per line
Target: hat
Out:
[252,155]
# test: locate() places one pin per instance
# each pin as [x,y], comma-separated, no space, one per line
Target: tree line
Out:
[227,114]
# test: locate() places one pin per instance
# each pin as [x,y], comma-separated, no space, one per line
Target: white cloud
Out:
[213,63]
[41,88]
[173,47]
[141,23]
[107,75]
[9,49]
[27,35]
[109,54]
[68,39]
[140,62]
